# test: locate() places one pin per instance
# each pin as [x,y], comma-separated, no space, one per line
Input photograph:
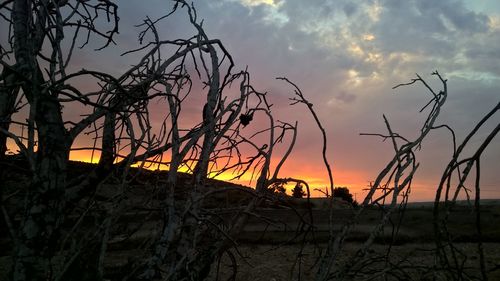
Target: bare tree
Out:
[69,220]
[38,86]
[451,185]
[390,192]
[396,178]
[39,75]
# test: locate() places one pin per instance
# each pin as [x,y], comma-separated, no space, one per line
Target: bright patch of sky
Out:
[484,6]
[271,7]
[251,3]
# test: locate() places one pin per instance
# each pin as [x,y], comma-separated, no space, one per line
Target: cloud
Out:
[252,3]
[346,56]
[349,8]
[345,97]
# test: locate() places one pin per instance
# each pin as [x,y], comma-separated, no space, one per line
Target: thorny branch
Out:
[39,89]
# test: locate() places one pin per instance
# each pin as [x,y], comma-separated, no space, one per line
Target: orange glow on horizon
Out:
[84,156]
[315,178]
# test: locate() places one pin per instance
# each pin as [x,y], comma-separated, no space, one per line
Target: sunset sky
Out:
[346,56]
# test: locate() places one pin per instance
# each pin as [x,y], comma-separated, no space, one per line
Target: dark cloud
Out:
[350,8]
[345,97]
[404,29]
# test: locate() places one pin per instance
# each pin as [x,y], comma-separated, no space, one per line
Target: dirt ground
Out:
[270,249]
[287,262]
[273,262]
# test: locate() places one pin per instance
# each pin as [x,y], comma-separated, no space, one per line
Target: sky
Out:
[346,56]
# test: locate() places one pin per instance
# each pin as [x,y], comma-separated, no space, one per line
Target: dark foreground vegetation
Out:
[117,220]
[275,241]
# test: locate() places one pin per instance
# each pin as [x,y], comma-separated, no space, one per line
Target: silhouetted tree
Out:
[298,191]
[41,89]
[390,192]
[343,192]
[62,230]
[278,187]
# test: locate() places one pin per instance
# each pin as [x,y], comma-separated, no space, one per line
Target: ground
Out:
[283,241]
[280,262]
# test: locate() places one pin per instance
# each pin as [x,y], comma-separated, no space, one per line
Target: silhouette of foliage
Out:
[298,191]
[278,187]
[245,119]
[343,192]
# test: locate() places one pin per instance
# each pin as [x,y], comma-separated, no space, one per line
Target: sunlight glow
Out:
[314,178]
[374,58]
[374,11]
[252,3]
[84,156]
[356,50]
[368,37]
[494,23]
[403,57]
[354,78]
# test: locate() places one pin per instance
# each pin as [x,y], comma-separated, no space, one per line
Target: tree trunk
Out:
[8,95]
[39,230]
[38,234]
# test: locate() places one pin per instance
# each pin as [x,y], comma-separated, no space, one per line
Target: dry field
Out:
[275,247]
[284,243]
[268,262]
[275,252]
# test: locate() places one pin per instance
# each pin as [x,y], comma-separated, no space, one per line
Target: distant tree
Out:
[343,192]
[298,191]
